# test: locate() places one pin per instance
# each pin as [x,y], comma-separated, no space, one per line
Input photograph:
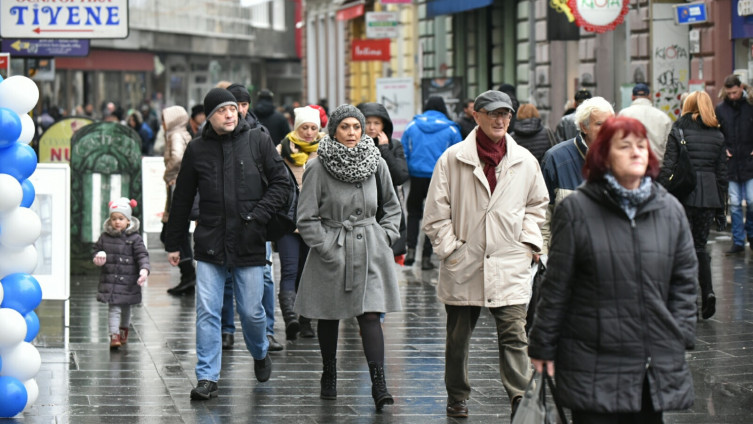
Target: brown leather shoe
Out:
[114,341]
[457,409]
[123,335]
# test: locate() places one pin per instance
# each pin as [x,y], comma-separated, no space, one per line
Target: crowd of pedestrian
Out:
[493,193]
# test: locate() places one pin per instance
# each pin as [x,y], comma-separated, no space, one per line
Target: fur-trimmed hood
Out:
[133,227]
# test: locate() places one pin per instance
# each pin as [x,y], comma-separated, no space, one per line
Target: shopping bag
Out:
[534,408]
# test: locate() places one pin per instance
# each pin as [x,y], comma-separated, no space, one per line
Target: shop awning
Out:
[109,60]
[448,7]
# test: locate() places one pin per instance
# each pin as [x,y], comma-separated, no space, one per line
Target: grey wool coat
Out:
[350,268]
[126,256]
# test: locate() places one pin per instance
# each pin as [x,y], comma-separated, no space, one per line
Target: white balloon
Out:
[18,260]
[11,193]
[32,392]
[1,288]
[27,129]
[12,328]
[21,227]
[19,94]
[21,361]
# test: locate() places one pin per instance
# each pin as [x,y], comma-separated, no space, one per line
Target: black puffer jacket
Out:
[531,134]
[126,256]
[275,122]
[234,207]
[706,150]
[617,302]
[394,155]
[736,123]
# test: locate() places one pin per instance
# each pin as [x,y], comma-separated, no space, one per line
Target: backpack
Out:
[283,220]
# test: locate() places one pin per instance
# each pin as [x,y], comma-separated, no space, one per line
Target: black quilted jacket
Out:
[617,303]
[126,256]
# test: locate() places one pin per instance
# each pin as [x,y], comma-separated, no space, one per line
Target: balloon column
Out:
[20,293]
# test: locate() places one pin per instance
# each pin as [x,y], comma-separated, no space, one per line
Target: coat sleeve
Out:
[97,247]
[278,188]
[437,214]
[182,202]
[721,175]
[560,131]
[535,213]
[549,172]
[681,301]
[393,154]
[556,289]
[670,158]
[390,204]
[309,222]
[140,254]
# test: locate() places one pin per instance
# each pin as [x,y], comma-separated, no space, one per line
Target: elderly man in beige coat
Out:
[486,203]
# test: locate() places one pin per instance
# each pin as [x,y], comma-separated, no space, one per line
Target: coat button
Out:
[210,251]
[358,211]
[488,256]
[489,300]
[358,185]
[359,237]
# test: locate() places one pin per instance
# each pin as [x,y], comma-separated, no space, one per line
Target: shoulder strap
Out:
[552,138]
[380,202]
[258,164]
[682,136]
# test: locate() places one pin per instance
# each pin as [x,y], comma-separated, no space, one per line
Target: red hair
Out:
[597,157]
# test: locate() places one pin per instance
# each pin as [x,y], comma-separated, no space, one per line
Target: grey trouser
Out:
[514,365]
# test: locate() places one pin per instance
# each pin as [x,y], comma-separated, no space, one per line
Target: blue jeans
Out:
[249,288]
[739,191]
[228,314]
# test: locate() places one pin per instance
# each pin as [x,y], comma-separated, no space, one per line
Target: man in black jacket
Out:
[735,117]
[225,166]
[268,115]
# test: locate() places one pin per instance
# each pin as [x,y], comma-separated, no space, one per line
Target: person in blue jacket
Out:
[425,138]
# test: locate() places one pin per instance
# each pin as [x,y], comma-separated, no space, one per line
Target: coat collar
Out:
[468,152]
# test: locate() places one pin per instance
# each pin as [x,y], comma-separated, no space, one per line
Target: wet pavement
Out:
[148,381]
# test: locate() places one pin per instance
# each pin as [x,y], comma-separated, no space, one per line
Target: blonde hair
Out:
[528,110]
[224,84]
[699,104]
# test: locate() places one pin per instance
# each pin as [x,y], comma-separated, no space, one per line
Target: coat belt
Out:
[344,233]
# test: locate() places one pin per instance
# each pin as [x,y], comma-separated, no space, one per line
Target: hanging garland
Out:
[599,15]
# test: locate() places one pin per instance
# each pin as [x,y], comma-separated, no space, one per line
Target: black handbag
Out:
[534,408]
[682,181]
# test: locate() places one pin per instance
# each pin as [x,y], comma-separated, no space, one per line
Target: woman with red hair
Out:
[617,305]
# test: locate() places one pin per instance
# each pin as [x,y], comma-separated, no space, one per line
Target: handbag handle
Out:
[553,389]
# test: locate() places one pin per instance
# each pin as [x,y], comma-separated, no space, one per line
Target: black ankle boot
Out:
[187,279]
[329,379]
[306,331]
[410,256]
[287,300]
[708,299]
[426,263]
[379,386]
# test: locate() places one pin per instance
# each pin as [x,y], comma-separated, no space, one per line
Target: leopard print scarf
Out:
[350,165]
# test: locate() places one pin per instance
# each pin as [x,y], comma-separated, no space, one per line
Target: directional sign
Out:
[90,19]
[29,47]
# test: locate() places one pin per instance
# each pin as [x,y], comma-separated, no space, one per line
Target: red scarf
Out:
[491,154]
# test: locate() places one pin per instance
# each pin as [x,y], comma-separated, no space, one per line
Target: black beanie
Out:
[240,92]
[436,103]
[216,98]
[196,109]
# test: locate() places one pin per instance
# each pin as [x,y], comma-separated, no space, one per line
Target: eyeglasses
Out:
[494,114]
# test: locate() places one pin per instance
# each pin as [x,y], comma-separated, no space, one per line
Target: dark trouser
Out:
[514,365]
[647,415]
[700,220]
[372,337]
[293,252]
[415,205]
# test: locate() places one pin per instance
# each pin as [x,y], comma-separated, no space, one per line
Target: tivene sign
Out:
[378,49]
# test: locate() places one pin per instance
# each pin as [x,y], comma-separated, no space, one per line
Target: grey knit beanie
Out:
[342,112]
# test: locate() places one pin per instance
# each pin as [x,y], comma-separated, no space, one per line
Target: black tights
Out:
[371,337]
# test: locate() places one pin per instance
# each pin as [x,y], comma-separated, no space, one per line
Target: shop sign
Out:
[382,24]
[599,15]
[396,1]
[29,47]
[349,13]
[396,94]
[371,50]
[745,7]
[691,13]
[24,19]
[4,65]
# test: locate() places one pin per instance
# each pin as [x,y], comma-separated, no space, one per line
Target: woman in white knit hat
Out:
[297,148]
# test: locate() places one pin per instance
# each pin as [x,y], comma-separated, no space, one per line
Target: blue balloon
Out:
[22,293]
[29,193]
[13,395]
[10,127]
[18,160]
[32,326]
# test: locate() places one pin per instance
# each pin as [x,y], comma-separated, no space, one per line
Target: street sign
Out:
[382,24]
[690,13]
[100,19]
[30,47]
[4,65]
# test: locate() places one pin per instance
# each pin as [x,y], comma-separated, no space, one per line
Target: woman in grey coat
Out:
[350,270]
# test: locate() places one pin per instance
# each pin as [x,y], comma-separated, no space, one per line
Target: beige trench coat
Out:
[485,242]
